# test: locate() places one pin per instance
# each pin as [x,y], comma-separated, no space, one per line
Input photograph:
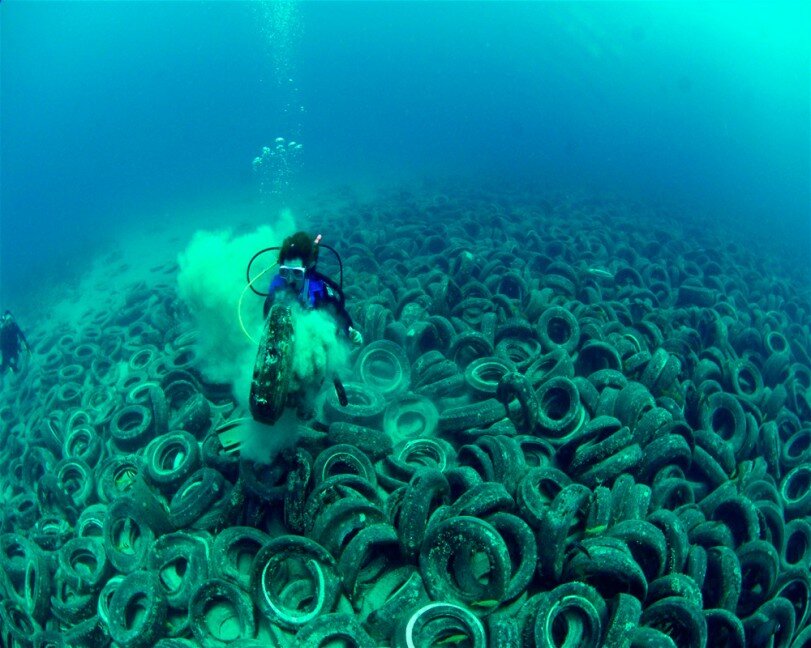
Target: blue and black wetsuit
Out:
[319,292]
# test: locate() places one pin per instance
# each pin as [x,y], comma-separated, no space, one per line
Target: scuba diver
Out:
[276,384]
[298,279]
[297,282]
[12,340]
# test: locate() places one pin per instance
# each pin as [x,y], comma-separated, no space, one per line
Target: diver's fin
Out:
[340,391]
[230,436]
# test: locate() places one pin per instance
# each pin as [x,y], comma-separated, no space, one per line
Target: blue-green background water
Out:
[114,114]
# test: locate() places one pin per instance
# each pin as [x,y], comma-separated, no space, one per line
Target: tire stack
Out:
[572,422]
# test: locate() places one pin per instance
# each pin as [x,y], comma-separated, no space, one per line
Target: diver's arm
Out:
[338,310]
[345,322]
[330,294]
[343,319]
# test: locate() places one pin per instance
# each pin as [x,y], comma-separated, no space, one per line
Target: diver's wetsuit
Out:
[11,339]
[318,292]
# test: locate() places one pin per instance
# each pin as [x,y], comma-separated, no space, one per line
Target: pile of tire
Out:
[570,424]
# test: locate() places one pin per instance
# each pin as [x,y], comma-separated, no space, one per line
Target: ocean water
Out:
[117,112]
[575,240]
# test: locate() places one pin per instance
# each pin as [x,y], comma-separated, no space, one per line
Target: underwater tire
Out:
[50,532]
[117,475]
[572,613]
[83,442]
[609,566]
[265,482]
[128,534]
[83,564]
[220,613]
[558,327]
[465,417]
[522,547]
[231,548]
[514,386]
[683,620]
[171,458]
[365,405]
[725,628]
[52,638]
[795,491]
[340,460]
[495,458]
[376,444]
[273,367]
[105,597]
[481,500]
[89,525]
[17,628]
[26,575]
[414,454]
[384,366]
[427,490]
[398,590]
[469,346]
[339,486]
[194,416]
[435,622]
[559,409]
[181,562]
[410,416]
[315,569]
[329,629]
[484,374]
[299,478]
[556,528]
[448,549]
[340,522]
[198,499]
[624,620]
[139,592]
[357,565]
[131,427]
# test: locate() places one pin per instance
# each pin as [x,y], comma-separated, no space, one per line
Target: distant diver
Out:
[12,340]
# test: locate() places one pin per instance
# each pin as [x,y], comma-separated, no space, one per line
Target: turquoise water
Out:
[115,112]
[574,404]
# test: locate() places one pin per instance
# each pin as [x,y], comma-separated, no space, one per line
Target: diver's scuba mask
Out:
[289,273]
[293,275]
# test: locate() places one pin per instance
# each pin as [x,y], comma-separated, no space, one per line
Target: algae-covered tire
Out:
[574,613]
[232,550]
[337,627]
[16,625]
[221,612]
[434,622]
[181,560]
[293,581]
[137,611]
[273,366]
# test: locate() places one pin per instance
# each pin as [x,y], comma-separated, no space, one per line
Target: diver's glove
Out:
[355,336]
